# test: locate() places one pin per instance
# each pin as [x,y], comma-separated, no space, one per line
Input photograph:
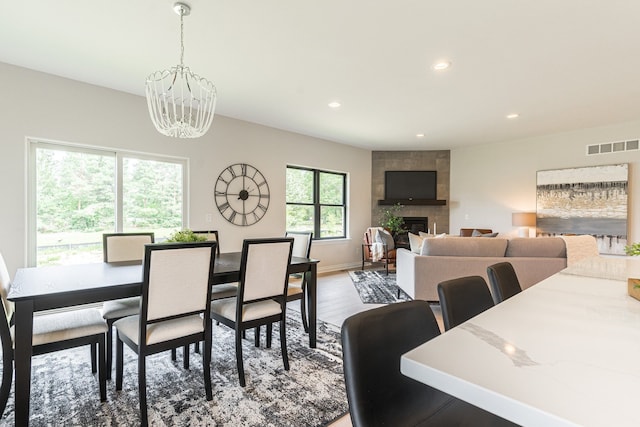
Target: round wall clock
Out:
[242,194]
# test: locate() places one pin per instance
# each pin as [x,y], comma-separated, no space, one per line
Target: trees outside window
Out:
[78,193]
[316,202]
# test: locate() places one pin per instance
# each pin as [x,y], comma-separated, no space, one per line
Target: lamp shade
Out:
[523,219]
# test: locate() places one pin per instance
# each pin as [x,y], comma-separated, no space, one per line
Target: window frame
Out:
[118,154]
[317,206]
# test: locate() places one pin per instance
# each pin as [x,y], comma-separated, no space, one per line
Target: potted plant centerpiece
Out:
[185,236]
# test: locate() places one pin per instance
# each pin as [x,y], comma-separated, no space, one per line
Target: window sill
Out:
[324,242]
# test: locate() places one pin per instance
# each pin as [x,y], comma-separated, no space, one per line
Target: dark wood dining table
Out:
[44,288]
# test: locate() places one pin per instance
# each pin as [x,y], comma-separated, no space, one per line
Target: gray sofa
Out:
[533,259]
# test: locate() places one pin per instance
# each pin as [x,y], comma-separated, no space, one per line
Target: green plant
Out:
[633,249]
[185,235]
[390,219]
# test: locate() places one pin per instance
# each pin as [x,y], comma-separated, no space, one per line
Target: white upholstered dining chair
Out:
[125,247]
[226,290]
[166,322]
[262,295]
[121,248]
[297,290]
[51,332]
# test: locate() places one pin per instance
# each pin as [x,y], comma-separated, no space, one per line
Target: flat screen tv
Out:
[410,185]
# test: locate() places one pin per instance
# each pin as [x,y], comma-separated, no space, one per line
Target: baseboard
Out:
[339,267]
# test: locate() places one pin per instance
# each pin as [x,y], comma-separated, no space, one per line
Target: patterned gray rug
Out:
[375,287]
[65,393]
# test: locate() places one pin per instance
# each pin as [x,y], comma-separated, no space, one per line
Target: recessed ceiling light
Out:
[334,104]
[420,135]
[513,116]
[442,65]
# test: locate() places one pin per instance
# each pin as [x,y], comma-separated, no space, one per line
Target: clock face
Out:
[242,194]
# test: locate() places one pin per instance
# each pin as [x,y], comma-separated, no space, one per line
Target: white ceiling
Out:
[560,64]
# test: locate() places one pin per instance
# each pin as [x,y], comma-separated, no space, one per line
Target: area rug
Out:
[376,287]
[311,393]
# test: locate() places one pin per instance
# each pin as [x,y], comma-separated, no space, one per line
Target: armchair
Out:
[378,247]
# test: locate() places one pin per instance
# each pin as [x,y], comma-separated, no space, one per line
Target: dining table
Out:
[52,287]
[564,352]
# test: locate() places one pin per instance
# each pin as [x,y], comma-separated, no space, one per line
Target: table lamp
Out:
[524,220]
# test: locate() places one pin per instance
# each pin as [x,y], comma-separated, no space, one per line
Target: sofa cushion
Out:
[384,237]
[469,246]
[542,247]
[415,242]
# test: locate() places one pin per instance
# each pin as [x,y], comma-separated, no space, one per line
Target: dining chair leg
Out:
[207,366]
[119,363]
[109,347]
[142,388]
[7,377]
[197,347]
[94,351]
[102,369]
[283,344]
[303,306]
[185,357]
[269,334]
[239,364]
[256,336]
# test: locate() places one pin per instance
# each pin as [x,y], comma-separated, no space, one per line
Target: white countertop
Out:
[564,352]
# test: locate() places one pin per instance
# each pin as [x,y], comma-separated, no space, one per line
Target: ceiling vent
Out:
[612,147]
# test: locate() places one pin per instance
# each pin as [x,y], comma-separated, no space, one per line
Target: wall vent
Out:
[612,147]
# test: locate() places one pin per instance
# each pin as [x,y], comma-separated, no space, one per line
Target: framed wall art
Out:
[585,200]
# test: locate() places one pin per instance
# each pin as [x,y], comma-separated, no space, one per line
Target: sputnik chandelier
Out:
[181,103]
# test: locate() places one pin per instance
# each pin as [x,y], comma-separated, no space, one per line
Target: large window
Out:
[316,201]
[78,193]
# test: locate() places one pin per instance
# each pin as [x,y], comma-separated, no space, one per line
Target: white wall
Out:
[43,106]
[489,182]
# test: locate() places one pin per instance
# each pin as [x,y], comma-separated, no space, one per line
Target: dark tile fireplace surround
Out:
[419,160]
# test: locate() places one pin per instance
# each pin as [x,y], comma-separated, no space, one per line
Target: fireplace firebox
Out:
[412,224]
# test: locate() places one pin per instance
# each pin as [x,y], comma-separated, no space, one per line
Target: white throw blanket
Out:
[377,248]
[377,251]
[580,247]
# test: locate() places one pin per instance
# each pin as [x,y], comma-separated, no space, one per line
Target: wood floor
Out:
[338,299]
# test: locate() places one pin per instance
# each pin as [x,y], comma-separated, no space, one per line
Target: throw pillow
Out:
[477,233]
[383,236]
[424,235]
[415,242]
